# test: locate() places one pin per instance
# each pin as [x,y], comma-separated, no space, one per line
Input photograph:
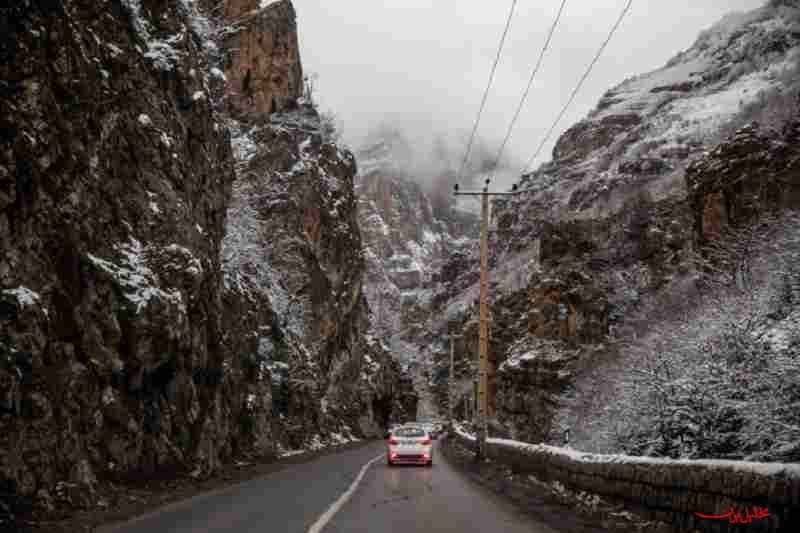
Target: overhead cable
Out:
[486,91]
[579,85]
[530,84]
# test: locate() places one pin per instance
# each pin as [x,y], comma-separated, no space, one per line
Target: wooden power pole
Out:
[451,381]
[483,328]
[483,331]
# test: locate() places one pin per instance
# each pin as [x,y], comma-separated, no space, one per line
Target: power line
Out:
[530,83]
[486,91]
[580,84]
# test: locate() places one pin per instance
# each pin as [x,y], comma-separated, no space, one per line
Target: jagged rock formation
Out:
[615,219]
[263,56]
[140,330]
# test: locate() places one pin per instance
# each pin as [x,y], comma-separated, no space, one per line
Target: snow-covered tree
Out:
[719,375]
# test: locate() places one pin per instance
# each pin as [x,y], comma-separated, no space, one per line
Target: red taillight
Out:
[393,442]
[426,442]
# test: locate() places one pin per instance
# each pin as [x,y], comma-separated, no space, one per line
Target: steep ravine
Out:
[180,263]
[411,230]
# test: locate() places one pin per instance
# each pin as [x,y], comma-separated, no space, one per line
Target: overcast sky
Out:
[422,65]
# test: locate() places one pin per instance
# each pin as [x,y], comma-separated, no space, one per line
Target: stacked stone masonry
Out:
[666,490]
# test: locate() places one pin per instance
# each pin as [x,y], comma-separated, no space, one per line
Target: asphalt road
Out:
[403,499]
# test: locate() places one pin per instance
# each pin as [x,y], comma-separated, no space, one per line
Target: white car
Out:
[410,445]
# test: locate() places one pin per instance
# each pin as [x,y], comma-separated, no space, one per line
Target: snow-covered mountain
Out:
[615,238]
[644,133]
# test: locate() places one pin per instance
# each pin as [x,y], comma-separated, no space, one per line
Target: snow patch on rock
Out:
[24,296]
[140,283]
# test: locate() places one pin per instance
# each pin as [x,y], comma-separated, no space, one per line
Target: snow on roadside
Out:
[790,470]
[462,433]
[290,453]
[317,444]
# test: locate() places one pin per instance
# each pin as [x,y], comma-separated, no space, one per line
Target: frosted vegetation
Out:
[247,263]
[718,375]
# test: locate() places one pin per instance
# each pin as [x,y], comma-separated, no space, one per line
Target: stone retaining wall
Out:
[667,490]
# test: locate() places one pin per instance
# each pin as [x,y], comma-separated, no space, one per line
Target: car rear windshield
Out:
[409,433]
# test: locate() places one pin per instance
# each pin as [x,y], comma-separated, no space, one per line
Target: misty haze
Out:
[304,266]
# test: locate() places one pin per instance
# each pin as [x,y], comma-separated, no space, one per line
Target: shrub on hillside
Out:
[719,376]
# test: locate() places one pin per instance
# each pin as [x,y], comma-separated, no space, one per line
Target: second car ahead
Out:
[410,445]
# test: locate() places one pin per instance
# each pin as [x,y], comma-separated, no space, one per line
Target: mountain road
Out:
[352,491]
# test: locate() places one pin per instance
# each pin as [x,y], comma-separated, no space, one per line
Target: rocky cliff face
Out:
[262,56]
[303,293]
[292,255]
[753,172]
[169,302]
[616,219]
[116,175]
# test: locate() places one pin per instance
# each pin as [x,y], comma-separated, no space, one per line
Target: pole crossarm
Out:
[469,193]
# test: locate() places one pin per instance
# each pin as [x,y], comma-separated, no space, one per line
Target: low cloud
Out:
[421,66]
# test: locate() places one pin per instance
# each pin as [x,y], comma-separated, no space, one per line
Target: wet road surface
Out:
[409,498]
[404,499]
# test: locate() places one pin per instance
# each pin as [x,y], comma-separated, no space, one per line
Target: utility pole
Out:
[466,398]
[474,399]
[451,381]
[483,329]
[380,313]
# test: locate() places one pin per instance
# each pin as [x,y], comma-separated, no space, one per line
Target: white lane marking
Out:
[323,520]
